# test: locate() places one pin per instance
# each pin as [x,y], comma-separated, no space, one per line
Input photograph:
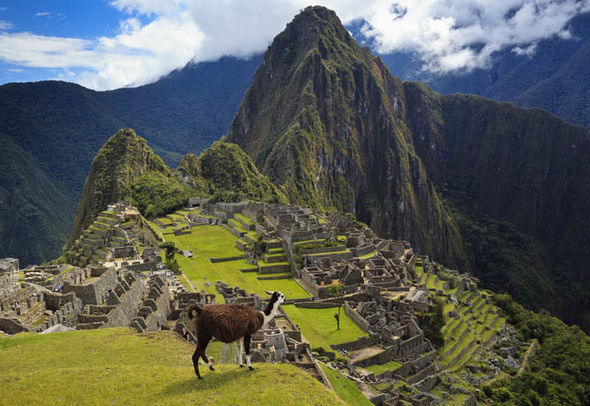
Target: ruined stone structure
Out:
[9,265]
[380,288]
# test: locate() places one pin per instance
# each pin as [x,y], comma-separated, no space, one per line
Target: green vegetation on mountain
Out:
[479,185]
[125,168]
[227,173]
[117,363]
[33,210]
[516,180]
[62,125]
[559,372]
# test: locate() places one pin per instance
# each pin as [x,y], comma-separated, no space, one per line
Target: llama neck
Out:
[270,312]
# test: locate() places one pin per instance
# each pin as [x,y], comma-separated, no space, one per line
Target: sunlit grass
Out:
[319,326]
[118,366]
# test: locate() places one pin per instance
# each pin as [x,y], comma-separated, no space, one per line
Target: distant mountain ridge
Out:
[554,78]
[60,126]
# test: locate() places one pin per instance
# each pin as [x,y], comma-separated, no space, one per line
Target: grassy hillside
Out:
[118,366]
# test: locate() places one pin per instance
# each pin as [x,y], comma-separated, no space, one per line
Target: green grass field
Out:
[380,368]
[118,366]
[216,242]
[319,326]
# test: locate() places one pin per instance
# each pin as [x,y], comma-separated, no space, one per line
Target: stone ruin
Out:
[9,265]
[380,290]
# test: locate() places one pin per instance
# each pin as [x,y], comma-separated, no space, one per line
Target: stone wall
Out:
[357,318]
[143,266]
[67,313]
[128,301]
[155,308]
[412,367]
[8,285]
[94,292]
[9,265]
[11,326]
[388,354]
[25,300]
[362,342]
[316,305]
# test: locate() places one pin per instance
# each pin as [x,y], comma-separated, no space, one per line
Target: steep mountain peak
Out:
[324,120]
[314,34]
[122,161]
[315,22]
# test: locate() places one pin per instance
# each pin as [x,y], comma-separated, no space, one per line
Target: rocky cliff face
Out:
[481,185]
[526,171]
[325,120]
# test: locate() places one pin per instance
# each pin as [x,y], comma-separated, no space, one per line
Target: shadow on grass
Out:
[211,380]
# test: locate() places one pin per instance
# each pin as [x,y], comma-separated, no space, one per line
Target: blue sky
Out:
[104,44]
[59,18]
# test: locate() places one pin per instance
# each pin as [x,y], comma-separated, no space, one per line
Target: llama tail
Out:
[193,310]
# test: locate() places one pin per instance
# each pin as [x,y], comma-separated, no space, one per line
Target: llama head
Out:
[275,297]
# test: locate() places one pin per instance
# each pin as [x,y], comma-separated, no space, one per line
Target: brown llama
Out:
[228,323]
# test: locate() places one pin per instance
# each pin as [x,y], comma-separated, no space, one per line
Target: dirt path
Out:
[530,352]
[189,283]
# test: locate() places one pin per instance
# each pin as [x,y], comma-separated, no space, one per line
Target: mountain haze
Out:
[474,183]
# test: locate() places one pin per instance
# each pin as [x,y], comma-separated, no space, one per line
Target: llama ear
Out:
[268,293]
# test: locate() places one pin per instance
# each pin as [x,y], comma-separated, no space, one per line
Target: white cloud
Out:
[43,14]
[525,51]
[5,25]
[158,36]
[463,34]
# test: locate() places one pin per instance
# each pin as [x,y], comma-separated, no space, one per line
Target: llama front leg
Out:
[207,360]
[247,348]
[239,352]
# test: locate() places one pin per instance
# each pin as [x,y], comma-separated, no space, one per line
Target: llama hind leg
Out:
[200,352]
[247,348]
[196,356]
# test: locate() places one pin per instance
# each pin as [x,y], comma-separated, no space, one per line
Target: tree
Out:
[170,248]
[171,262]
[337,291]
[432,322]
